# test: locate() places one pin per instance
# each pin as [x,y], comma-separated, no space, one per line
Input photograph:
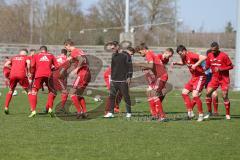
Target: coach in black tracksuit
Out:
[121,74]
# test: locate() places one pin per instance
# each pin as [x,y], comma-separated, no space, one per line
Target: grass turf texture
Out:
[43,137]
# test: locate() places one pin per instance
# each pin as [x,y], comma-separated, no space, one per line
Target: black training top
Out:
[121,67]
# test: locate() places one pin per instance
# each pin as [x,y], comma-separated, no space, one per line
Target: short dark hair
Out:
[181,48]
[131,49]
[214,44]
[143,46]
[43,48]
[115,43]
[140,47]
[170,50]
[25,50]
[32,50]
[64,51]
[69,42]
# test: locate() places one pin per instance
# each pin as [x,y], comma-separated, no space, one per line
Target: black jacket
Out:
[121,66]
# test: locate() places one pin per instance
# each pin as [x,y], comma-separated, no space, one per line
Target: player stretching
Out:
[61,59]
[41,66]
[220,64]
[20,66]
[82,80]
[156,76]
[196,83]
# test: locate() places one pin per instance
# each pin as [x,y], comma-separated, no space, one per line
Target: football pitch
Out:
[43,137]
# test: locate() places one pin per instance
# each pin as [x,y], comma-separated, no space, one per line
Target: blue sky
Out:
[213,15]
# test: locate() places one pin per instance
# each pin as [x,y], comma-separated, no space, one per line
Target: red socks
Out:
[215,104]
[76,103]
[187,101]
[50,100]
[8,99]
[64,97]
[227,106]
[209,103]
[199,104]
[152,107]
[83,104]
[159,108]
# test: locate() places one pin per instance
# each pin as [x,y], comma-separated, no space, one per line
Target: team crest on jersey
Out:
[19,58]
[44,59]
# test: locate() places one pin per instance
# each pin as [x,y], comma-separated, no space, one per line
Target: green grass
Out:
[52,138]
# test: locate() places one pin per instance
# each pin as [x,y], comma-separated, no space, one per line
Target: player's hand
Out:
[194,67]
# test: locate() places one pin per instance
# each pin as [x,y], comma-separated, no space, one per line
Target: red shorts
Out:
[22,81]
[82,80]
[156,83]
[38,82]
[6,72]
[196,83]
[224,82]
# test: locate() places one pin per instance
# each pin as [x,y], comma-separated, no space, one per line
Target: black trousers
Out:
[121,87]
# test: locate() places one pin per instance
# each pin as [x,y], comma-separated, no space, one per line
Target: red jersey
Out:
[158,68]
[79,53]
[18,66]
[164,60]
[190,59]
[61,59]
[42,63]
[107,77]
[222,62]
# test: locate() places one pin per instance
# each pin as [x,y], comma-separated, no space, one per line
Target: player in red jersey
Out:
[82,80]
[61,59]
[165,57]
[196,83]
[220,64]
[20,66]
[156,76]
[208,73]
[6,71]
[41,66]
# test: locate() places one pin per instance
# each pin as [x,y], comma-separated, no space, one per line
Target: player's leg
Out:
[212,86]
[76,103]
[114,88]
[198,85]
[208,100]
[85,77]
[12,85]
[225,87]
[82,102]
[151,101]
[215,102]
[198,102]
[124,90]
[33,95]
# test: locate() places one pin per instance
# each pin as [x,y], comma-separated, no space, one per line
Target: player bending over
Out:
[82,80]
[41,66]
[156,76]
[61,59]
[197,81]
[20,67]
